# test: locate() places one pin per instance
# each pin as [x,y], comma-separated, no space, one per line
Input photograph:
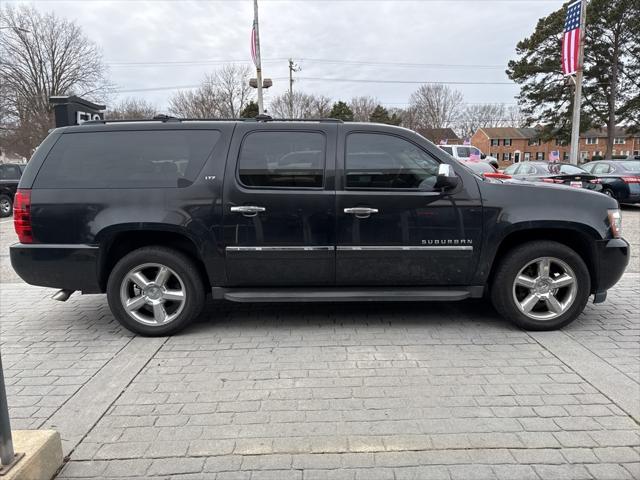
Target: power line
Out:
[365,80]
[400,64]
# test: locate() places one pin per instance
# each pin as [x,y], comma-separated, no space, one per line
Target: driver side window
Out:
[381,161]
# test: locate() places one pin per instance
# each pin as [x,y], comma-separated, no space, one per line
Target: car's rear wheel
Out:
[609,193]
[6,206]
[155,291]
[541,285]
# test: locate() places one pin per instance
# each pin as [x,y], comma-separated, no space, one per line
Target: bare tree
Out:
[223,93]
[42,55]
[131,109]
[436,105]
[515,117]
[362,108]
[232,82]
[474,117]
[304,106]
[408,117]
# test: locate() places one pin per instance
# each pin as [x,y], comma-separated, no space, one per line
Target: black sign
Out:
[74,110]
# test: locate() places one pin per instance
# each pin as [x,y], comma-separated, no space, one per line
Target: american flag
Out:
[253,45]
[554,156]
[571,39]
[475,154]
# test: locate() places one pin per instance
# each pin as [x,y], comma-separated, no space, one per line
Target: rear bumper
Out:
[612,259]
[71,267]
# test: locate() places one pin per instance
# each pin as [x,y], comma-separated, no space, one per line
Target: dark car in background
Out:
[558,173]
[10,174]
[620,179]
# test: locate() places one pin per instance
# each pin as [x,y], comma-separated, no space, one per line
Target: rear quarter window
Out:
[127,159]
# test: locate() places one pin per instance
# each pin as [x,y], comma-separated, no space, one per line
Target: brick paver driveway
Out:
[329,391]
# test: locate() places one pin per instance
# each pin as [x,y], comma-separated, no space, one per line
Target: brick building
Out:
[440,135]
[511,145]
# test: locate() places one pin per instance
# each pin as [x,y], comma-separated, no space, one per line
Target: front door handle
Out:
[247,210]
[361,212]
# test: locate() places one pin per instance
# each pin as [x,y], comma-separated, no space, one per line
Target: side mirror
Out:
[483,156]
[447,178]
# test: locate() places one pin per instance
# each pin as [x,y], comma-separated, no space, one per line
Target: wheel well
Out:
[577,241]
[125,242]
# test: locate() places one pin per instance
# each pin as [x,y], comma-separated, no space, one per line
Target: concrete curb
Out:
[43,455]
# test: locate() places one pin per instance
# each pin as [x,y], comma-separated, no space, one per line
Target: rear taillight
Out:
[631,179]
[552,180]
[22,215]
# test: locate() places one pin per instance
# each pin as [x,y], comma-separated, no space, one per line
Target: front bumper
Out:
[612,258]
[71,267]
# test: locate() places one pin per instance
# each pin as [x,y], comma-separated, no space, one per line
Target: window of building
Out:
[584,155]
[565,156]
[380,161]
[560,142]
[506,142]
[618,141]
[533,142]
[495,142]
[527,156]
[282,159]
[127,159]
[592,140]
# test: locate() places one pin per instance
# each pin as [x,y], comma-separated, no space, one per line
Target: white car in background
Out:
[468,152]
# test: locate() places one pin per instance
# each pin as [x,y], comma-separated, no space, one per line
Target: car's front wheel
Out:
[6,206]
[155,291]
[541,285]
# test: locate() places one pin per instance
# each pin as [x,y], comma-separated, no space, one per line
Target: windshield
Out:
[631,166]
[566,169]
[479,167]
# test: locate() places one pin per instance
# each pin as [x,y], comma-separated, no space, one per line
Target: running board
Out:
[321,294]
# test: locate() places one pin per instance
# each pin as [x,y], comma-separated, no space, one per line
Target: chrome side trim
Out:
[382,248]
[409,248]
[280,249]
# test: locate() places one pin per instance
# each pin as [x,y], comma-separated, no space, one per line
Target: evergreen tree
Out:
[250,111]
[381,115]
[611,85]
[341,111]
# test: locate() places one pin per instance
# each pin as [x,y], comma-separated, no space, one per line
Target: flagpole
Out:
[577,100]
[258,62]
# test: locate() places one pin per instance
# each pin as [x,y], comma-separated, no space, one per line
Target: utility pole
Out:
[256,59]
[292,68]
[577,100]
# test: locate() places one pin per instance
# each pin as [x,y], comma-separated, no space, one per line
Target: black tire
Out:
[502,287]
[185,271]
[6,206]
[608,192]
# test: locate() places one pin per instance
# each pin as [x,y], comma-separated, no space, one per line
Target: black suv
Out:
[159,213]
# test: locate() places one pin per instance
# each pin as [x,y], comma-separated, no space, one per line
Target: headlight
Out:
[615,221]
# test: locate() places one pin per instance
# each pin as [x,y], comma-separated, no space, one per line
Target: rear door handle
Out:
[361,212]
[248,210]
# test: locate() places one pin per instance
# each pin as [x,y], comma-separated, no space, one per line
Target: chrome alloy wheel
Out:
[5,206]
[545,288]
[152,294]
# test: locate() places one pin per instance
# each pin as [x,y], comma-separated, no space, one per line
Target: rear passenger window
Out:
[388,162]
[282,159]
[127,159]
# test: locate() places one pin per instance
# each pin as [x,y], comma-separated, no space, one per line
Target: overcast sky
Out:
[454,40]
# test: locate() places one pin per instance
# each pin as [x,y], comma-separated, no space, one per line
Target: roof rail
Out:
[267,118]
[259,118]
